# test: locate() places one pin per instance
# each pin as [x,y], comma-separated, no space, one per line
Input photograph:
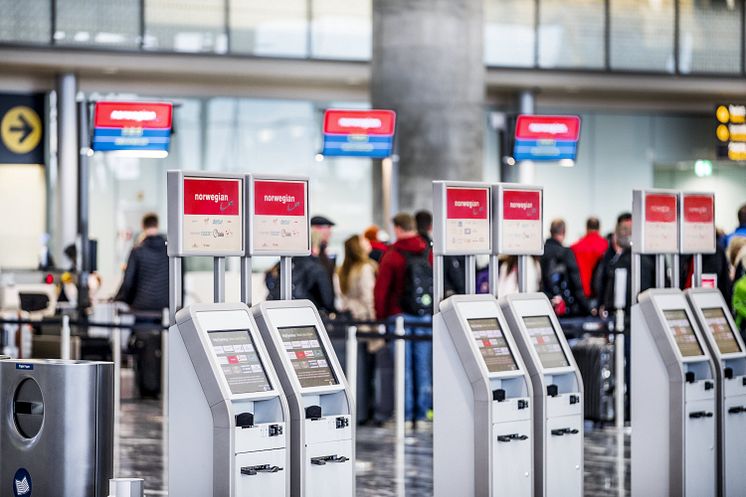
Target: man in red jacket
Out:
[388,295]
[588,251]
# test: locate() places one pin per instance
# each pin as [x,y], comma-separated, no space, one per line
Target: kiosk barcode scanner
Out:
[723,340]
[228,417]
[673,402]
[482,429]
[557,387]
[322,424]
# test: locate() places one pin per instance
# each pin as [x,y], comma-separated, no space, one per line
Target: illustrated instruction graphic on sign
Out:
[521,230]
[467,220]
[280,217]
[213,215]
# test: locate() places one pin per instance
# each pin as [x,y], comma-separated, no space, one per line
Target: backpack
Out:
[739,302]
[417,295]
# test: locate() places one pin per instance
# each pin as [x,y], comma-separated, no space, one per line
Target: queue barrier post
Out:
[399,368]
[65,338]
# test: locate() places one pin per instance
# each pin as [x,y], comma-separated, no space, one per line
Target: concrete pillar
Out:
[427,66]
[65,227]
[524,171]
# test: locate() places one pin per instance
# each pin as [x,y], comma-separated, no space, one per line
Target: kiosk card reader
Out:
[673,400]
[228,417]
[728,353]
[322,425]
[557,394]
[483,428]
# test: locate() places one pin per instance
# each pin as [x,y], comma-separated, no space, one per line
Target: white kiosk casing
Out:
[728,353]
[557,394]
[228,417]
[321,405]
[483,427]
[673,400]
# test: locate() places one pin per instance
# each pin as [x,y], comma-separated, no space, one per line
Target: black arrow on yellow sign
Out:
[24,128]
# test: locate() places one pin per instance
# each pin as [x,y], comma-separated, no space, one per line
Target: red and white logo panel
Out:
[467,227]
[280,224]
[213,215]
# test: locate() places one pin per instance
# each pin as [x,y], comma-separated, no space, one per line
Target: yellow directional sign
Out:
[20,129]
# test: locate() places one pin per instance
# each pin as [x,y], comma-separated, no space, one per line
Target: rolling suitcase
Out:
[595,359]
[146,347]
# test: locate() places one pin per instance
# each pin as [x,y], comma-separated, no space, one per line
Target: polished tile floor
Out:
[379,473]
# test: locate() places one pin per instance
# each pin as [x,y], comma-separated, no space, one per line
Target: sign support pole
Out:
[494,274]
[246,280]
[660,271]
[218,278]
[83,204]
[286,278]
[676,271]
[522,276]
[438,284]
[470,272]
[174,288]
[697,273]
[635,279]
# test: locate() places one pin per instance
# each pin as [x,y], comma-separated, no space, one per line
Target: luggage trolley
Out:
[482,418]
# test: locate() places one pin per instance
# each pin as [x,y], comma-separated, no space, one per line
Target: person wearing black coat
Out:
[310,281]
[560,276]
[145,283]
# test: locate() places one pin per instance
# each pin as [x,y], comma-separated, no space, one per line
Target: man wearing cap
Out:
[323,227]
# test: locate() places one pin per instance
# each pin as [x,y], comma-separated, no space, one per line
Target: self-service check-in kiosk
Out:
[673,396]
[228,417]
[557,394]
[556,385]
[322,424]
[723,341]
[482,426]
[728,353]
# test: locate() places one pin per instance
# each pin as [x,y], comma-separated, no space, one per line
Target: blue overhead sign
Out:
[132,126]
[546,138]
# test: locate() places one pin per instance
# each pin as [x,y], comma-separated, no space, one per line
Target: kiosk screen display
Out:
[492,344]
[683,333]
[239,361]
[308,356]
[545,341]
[721,330]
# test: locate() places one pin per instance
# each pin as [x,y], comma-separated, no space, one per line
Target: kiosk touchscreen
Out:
[228,416]
[672,400]
[322,426]
[728,353]
[482,425]
[557,394]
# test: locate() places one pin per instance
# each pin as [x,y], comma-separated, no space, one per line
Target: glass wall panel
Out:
[260,27]
[98,22]
[571,33]
[27,21]
[341,29]
[186,25]
[642,35]
[710,36]
[509,33]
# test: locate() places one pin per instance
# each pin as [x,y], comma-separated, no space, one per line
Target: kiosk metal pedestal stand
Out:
[322,421]
[672,392]
[227,416]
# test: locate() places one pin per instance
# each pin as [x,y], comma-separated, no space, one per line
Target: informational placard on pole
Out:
[655,222]
[279,224]
[697,233]
[462,218]
[205,214]
[518,219]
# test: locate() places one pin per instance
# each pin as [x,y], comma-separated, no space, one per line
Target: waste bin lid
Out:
[28,408]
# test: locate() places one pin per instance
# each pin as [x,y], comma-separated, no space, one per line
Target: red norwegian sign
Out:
[466,203]
[156,115]
[279,198]
[530,127]
[699,209]
[211,197]
[660,208]
[359,122]
[522,205]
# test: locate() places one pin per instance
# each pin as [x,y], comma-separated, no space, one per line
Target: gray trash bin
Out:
[57,428]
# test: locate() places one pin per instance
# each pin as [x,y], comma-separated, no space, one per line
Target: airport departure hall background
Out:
[372,247]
